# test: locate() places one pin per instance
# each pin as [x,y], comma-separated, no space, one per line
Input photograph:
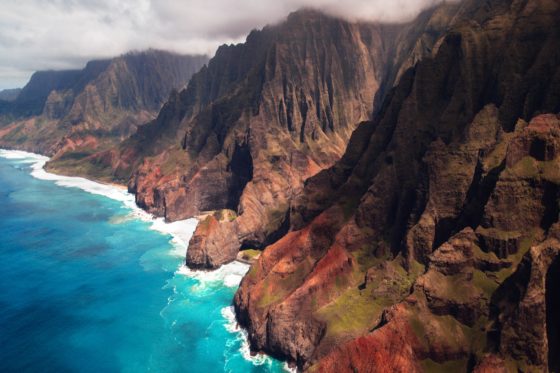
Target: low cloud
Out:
[61,34]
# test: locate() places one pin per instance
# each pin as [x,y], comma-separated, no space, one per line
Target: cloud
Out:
[61,34]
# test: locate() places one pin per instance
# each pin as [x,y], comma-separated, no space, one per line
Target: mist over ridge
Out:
[63,34]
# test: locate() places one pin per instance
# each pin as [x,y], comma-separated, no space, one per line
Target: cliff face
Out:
[9,95]
[259,120]
[32,98]
[433,242]
[73,114]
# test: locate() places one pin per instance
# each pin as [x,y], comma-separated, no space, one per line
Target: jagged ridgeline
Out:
[403,180]
[433,244]
[72,114]
[262,117]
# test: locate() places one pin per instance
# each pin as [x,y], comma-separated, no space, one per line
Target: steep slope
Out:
[70,114]
[432,242]
[32,98]
[9,95]
[260,119]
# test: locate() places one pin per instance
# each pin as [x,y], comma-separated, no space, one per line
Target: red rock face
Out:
[219,237]
[439,223]
[388,349]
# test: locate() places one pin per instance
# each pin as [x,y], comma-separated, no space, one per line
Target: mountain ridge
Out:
[257,121]
[396,257]
[74,113]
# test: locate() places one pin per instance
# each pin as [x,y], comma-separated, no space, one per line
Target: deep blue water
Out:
[86,287]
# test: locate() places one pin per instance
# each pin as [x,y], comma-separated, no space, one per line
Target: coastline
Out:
[181,231]
[229,275]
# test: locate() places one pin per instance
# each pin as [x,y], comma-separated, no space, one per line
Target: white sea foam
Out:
[233,327]
[180,231]
[230,275]
[21,155]
[110,191]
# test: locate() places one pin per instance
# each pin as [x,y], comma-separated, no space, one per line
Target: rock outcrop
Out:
[432,240]
[70,115]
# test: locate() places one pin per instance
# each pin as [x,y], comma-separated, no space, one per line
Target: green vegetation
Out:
[499,234]
[551,171]
[204,225]
[448,330]
[175,159]
[484,283]
[498,154]
[418,328]
[271,294]
[455,366]
[527,168]
[349,204]
[352,313]
[416,269]
[276,288]
[357,310]
[250,254]
[252,272]
[478,253]
[276,217]
[366,258]
[530,168]
[76,164]
[225,215]
[520,366]
[525,244]
[453,287]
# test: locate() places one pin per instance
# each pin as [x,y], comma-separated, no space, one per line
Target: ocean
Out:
[90,283]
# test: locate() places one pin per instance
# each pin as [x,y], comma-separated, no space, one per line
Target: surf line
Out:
[229,275]
[181,231]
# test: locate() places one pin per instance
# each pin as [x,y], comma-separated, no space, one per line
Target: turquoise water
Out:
[85,285]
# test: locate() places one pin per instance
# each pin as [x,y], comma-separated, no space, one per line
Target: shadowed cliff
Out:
[406,254]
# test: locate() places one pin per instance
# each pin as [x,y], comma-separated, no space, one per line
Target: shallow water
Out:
[89,283]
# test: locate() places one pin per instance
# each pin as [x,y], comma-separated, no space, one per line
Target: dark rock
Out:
[462,144]
[503,244]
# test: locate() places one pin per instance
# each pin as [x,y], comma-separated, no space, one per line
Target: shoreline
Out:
[180,230]
[107,183]
[229,275]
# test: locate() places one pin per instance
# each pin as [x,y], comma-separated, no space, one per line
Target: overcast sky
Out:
[60,34]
